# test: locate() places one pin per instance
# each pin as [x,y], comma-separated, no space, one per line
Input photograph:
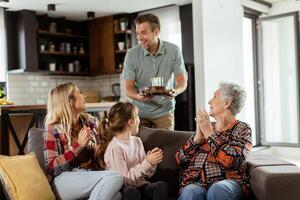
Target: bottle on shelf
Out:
[51,47]
[62,47]
[52,27]
[81,49]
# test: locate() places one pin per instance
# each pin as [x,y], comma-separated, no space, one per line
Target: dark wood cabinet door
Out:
[102,58]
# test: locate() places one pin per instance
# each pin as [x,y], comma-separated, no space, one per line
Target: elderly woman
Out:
[212,161]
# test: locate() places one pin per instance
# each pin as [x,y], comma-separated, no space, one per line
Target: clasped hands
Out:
[84,136]
[154,156]
[204,128]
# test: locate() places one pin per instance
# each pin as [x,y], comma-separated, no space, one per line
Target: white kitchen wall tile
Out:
[29,89]
[29,101]
[16,89]
[34,84]
[15,77]
[19,83]
[29,77]
[44,84]
[39,89]
[18,96]
[33,89]
[41,101]
[19,102]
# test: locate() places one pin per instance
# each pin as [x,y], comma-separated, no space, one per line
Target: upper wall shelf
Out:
[61,34]
[123,32]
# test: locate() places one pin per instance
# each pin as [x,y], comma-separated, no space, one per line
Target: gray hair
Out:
[235,93]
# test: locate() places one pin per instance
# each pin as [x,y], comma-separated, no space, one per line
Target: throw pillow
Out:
[24,179]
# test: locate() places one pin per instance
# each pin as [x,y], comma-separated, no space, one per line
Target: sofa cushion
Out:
[23,178]
[275,182]
[169,142]
[35,144]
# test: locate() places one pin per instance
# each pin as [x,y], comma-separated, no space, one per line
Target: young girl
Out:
[70,144]
[125,154]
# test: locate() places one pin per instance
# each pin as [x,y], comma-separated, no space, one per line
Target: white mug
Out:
[52,67]
[121,45]
[123,26]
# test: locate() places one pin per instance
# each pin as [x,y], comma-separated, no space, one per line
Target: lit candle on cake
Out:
[157,81]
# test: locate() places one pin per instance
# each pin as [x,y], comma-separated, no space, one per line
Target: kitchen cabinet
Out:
[110,38]
[122,39]
[21,40]
[46,44]
[101,34]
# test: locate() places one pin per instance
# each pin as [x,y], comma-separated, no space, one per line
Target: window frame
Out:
[254,15]
[297,46]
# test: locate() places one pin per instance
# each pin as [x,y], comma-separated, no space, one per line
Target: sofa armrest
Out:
[276,182]
[258,159]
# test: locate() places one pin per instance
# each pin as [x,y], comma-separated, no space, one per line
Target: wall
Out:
[218,42]
[32,88]
[3,53]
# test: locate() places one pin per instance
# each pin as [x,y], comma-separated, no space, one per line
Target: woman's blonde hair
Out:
[60,106]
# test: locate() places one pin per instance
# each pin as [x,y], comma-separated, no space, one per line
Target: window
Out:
[279,78]
[170,24]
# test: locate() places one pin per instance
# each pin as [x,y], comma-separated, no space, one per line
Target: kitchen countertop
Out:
[9,129]
[91,107]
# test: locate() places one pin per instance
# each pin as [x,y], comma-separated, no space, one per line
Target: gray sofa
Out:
[271,178]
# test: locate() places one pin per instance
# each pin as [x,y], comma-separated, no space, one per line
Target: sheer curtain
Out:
[170,24]
[3,53]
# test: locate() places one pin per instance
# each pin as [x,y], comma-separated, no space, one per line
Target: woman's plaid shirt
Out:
[59,156]
[221,157]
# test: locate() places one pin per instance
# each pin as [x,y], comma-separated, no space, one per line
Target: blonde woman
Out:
[71,144]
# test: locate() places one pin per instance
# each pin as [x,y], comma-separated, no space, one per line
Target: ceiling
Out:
[77,9]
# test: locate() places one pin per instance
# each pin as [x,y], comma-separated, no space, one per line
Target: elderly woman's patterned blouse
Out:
[221,157]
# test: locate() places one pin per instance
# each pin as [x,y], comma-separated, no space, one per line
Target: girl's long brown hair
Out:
[115,121]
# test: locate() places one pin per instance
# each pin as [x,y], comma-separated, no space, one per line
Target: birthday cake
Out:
[154,90]
[157,87]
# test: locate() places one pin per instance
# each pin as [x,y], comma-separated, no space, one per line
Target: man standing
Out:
[153,58]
